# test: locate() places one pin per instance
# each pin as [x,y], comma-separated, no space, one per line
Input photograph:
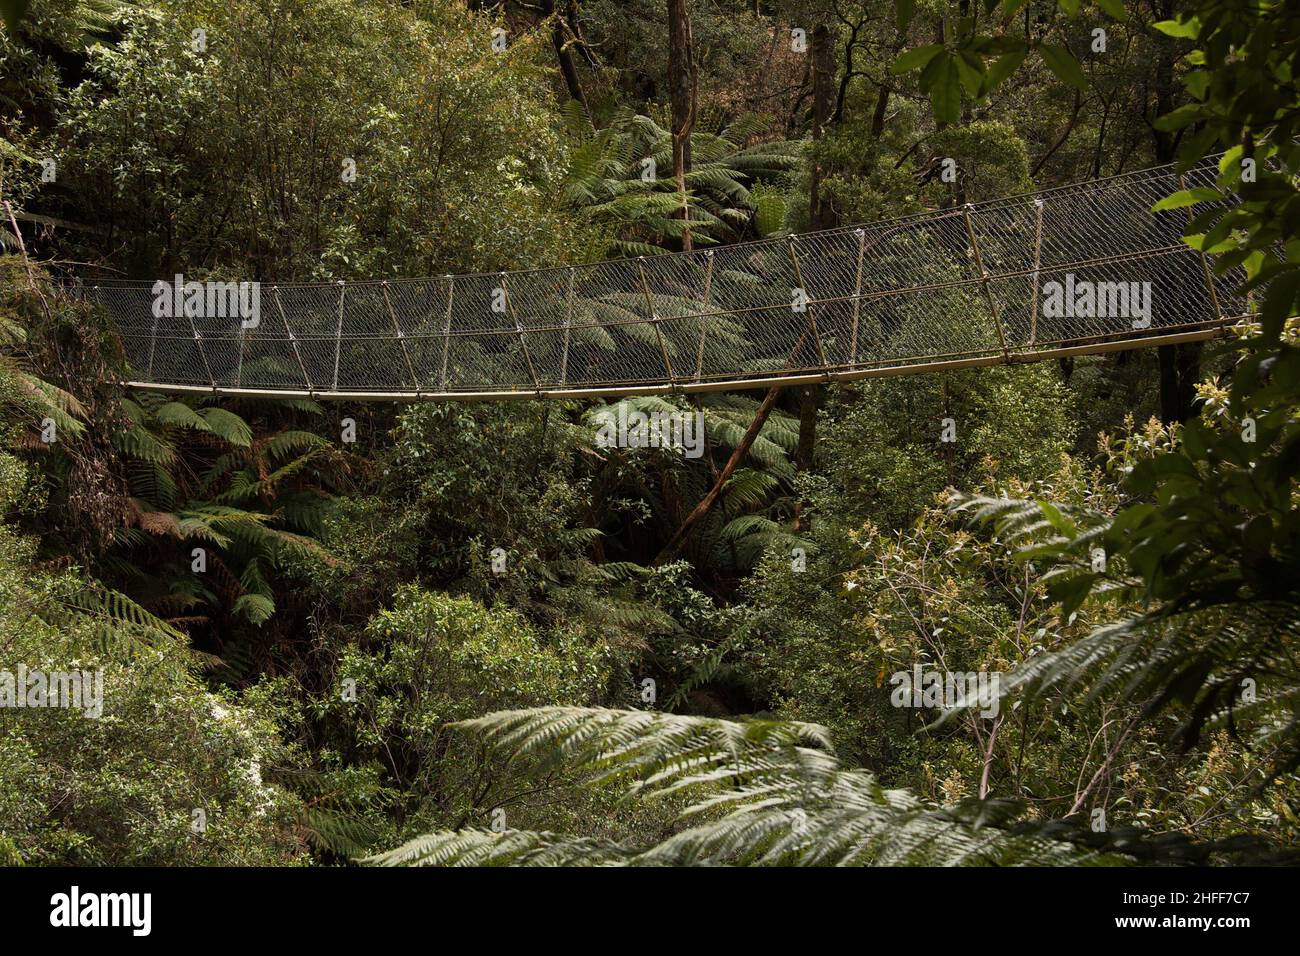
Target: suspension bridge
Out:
[1074,270]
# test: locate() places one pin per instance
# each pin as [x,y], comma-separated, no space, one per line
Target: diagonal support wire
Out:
[1033,278]
[519,330]
[704,323]
[808,304]
[401,339]
[984,277]
[568,327]
[293,340]
[654,320]
[446,332]
[338,336]
[1205,264]
[857,295]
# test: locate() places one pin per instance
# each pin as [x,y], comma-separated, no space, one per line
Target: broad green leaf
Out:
[1072,591]
[1278,305]
[904,10]
[1186,197]
[1185,115]
[1003,67]
[1201,243]
[1056,519]
[915,59]
[970,70]
[1195,147]
[1062,63]
[945,94]
[1197,83]
[1189,29]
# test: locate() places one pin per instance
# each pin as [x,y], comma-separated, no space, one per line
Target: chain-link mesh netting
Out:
[1071,266]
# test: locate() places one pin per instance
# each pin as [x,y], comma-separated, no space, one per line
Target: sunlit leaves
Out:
[1184,27]
[1187,197]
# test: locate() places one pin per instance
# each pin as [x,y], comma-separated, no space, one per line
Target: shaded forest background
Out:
[753,602]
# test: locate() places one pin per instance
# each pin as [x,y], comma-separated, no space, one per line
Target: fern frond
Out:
[765,793]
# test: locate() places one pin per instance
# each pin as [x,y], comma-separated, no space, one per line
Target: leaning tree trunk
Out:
[709,500]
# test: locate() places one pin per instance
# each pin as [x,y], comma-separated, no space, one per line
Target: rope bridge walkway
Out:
[1073,270]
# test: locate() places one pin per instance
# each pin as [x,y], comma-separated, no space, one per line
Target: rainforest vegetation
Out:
[454,632]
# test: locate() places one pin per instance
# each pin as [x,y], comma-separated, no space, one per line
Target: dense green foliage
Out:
[477,633]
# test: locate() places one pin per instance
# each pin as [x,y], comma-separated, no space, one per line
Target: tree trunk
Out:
[560,37]
[810,399]
[881,111]
[681,92]
[821,213]
[1180,369]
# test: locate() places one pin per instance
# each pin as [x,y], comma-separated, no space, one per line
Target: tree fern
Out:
[604,181]
[757,792]
[115,616]
[227,425]
[254,498]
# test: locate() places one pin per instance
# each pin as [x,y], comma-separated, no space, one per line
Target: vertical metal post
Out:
[198,339]
[984,279]
[243,340]
[338,336]
[857,296]
[1033,276]
[704,327]
[153,340]
[401,339]
[568,326]
[1205,264]
[654,319]
[293,340]
[519,330]
[446,333]
[812,315]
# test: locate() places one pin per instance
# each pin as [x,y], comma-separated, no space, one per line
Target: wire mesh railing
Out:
[1077,268]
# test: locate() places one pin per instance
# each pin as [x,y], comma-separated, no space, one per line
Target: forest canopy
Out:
[1030,613]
